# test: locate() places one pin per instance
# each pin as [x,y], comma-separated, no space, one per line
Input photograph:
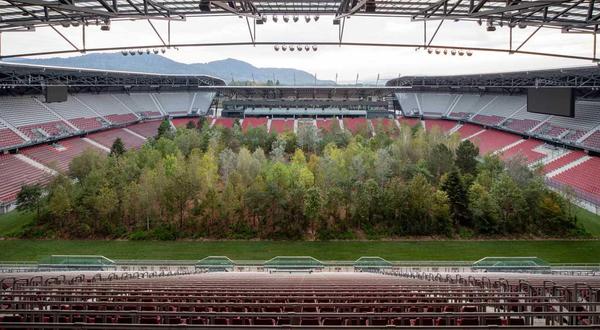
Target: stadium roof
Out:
[24,78]
[586,78]
[565,14]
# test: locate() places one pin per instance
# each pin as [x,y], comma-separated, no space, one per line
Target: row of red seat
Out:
[14,173]
[59,155]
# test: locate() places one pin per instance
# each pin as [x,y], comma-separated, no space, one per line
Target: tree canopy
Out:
[212,182]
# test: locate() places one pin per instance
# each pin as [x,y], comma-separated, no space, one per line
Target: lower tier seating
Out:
[467,130]
[15,173]
[146,129]
[282,125]
[356,125]
[584,178]
[121,118]
[409,121]
[87,124]
[525,149]
[327,124]
[224,122]
[493,140]
[520,125]
[58,156]
[254,122]
[46,130]
[490,120]
[593,141]
[107,138]
[563,160]
[443,125]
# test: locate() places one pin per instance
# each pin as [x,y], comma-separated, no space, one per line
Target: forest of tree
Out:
[218,183]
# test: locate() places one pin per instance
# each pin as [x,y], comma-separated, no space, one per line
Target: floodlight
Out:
[283,47]
[295,18]
[445,52]
[275,19]
[306,47]
[437,51]
[292,48]
[276,47]
[314,48]
[140,52]
[286,18]
[429,50]
[316,18]
[299,48]
[148,51]
[469,53]
[307,18]
[124,52]
[155,51]
[131,52]
[461,52]
[453,52]
[163,50]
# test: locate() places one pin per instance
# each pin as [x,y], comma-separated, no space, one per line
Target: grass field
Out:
[552,251]
[558,251]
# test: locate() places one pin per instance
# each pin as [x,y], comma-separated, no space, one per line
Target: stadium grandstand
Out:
[106,159]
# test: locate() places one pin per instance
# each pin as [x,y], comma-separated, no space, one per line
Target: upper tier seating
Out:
[584,178]
[175,103]
[146,129]
[493,140]
[433,104]
[525,149]
[32,118]
[58,156]
[140,103]
[499,109]
[356,125]
[8,138]
[14,173]
[254,122]
[282,125]
[467,130]
[108,106]
[524,121]
[592,141]
[469,104]
[107,138]
[443,125]
[202,102]
[77,114]
[563,160]
[587,117]
[408,102]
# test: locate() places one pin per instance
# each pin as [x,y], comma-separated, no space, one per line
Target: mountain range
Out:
[227,69]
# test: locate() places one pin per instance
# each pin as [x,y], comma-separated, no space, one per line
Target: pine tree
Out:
[29,198]
[459,200]
[164,129]
[466,154]
[118,148]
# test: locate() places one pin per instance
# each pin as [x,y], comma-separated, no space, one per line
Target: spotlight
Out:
[140,52]
[299,48]
[461,52]
[286,18]
[453,52]
[275,19]
[276,47]
[292,48]
[155,51]
[124,52]
[264,19]
[445,52]
[148,51]
[65,24]
[314,48]
[316,18]
[491,28]
[296,18]
[105,25]
[437,52]
[469,53]
[307,48]
[163,50]
[283,47]
[75,23]
[522,25]
[429,50]
[307,18]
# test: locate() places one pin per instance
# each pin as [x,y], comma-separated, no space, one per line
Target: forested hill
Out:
[225,69]
[213,182]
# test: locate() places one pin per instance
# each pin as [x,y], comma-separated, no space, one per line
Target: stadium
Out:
[153,197]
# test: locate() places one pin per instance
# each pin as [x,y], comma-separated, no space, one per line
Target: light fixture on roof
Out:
[283,47]
[437,51]
[307,48]
[453,52]
[105,25]
[131,52]
[445,52]
[299,48]
[522,25]
[316,18]
[295,18]
[264,19]
[461,52]
[307,18]
[276,47]
[292,48]
[124,52]
[286,18]
[275,18]
[65,24]
[140,52]
[469,53]
[490,25]
[314,48]
[155,51]
[163,50]
[75,23]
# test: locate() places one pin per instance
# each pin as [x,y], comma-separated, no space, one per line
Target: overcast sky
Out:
[346,61]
